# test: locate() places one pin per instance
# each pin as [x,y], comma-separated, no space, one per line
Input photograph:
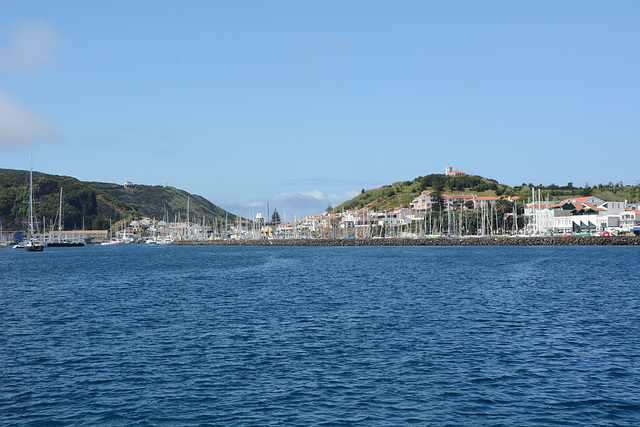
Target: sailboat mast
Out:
[60,219]
[188,226]
[31,194]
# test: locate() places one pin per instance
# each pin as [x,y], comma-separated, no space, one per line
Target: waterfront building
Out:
[629,220]
[576,215]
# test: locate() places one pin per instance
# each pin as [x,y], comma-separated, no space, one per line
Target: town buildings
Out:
[589,215]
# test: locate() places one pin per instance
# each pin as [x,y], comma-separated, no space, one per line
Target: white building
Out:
[423,202]
[580,215]
[450,172]
[629,220]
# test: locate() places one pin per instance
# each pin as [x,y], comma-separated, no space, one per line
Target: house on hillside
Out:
[456,201]
[423,202]
[485,201]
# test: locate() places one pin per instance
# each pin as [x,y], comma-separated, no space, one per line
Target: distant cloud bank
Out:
[27,50]
[20,127]
[312,194]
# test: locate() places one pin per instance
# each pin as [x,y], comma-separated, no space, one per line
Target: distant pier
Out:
[449,241]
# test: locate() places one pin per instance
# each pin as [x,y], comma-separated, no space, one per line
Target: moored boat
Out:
[109,243]
[32,244]
[63,243]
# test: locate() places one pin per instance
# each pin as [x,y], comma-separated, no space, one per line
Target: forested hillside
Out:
[157,201]
[94,203]
[80,201]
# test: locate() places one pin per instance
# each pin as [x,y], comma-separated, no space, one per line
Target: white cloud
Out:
[311,194]
[314,194]
[32,45]
[21,127]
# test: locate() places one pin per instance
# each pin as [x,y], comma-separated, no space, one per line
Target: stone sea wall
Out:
[454,241]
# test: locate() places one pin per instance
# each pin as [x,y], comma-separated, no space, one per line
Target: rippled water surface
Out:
[320,336]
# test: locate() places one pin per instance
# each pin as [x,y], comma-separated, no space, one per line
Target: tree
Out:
[504,206]
[329,209]
[275,217]
[436,195]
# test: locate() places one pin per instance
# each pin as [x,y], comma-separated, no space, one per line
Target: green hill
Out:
[155,200]
[94,203]
[400,194]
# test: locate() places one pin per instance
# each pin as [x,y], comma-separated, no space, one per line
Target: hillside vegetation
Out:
[155,200]
[94,203]
[400,194]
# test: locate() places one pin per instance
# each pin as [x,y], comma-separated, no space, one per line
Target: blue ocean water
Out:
[164,335]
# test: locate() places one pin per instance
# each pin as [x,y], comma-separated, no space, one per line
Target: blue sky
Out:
[301,104]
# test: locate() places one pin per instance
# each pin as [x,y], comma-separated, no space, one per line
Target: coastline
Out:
[451,241]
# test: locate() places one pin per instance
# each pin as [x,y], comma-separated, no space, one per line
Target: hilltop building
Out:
[450,172]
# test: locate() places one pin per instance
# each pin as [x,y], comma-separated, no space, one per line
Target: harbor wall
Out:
[452,241]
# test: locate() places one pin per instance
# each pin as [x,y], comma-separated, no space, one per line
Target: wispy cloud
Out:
[20,127]
[30,47]
[311,194]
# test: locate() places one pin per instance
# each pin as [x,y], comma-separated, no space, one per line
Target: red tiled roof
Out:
[592,206]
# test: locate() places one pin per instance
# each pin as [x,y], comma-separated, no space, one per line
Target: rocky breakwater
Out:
[452,241]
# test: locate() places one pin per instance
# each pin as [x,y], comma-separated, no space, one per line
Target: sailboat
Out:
[60,243]
[32,244]
[112,241]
